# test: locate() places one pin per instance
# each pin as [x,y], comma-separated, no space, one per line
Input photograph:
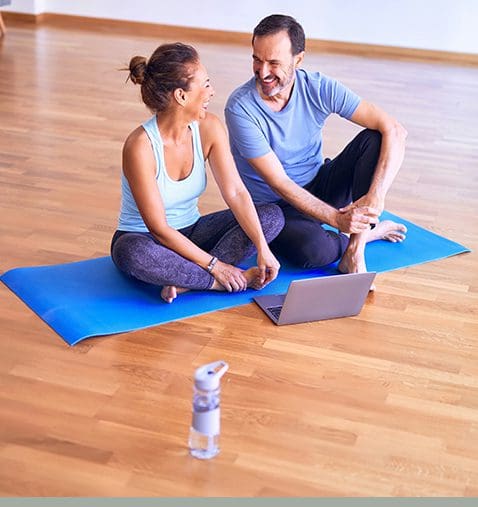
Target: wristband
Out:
[211,264]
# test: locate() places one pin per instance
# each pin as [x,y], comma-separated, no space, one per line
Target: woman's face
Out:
[200,92]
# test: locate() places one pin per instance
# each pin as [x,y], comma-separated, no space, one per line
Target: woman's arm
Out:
[235,194]
[139,167]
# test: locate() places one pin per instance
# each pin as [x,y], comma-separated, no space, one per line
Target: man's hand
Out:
[230,277]
[371,200]
[354,219]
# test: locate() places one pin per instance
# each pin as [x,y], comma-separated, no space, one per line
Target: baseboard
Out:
[221,36]
[393,52]
[131,27]
[20,17]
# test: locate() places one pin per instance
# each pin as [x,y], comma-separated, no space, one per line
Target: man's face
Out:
[273,63]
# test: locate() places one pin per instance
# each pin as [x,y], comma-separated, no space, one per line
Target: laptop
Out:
[325,297]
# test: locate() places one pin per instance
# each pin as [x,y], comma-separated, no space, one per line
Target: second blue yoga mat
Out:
[92,298]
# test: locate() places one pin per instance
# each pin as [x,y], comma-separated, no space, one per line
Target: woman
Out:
[161,237]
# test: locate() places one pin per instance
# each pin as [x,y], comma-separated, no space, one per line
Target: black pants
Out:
[303,241]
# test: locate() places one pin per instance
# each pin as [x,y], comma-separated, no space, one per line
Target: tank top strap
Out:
[151,128]
[198,153]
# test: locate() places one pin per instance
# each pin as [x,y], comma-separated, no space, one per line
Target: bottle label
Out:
[207,422]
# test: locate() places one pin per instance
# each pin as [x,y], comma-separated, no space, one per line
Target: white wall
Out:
[23,6]
[444,25]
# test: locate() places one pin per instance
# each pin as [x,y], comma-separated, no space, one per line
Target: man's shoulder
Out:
[241,95]
[329,94]
[313,79]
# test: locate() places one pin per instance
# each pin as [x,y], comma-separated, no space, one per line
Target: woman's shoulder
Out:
[137,139]
[210,120]
[137,152]
[211,132]
[209,126]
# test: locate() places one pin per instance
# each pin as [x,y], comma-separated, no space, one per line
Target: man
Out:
[275,125]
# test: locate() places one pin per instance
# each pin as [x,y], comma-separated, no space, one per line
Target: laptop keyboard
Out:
[275,310]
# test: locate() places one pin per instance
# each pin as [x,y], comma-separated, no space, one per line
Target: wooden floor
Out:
[377,405]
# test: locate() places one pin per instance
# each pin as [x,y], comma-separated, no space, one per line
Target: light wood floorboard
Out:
[382,404]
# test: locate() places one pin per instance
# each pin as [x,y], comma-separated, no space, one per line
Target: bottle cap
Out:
[208,376]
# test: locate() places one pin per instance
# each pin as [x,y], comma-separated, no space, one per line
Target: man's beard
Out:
[280,85]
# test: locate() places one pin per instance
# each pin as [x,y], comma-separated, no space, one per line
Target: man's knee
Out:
[311,252]
[308,256]
[371,139]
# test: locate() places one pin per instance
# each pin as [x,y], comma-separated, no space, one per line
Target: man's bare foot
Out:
[387,230]
[353,260]
[354,263]
[170,292]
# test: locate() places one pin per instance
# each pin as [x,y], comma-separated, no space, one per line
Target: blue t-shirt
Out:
[294,134]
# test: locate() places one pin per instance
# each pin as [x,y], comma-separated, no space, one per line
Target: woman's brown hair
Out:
[169,67]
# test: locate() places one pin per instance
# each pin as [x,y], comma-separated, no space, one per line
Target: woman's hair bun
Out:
[137,68]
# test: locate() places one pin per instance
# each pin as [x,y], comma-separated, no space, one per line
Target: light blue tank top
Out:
[180,198]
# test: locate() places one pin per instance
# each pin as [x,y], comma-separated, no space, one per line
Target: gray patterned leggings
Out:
[141,256]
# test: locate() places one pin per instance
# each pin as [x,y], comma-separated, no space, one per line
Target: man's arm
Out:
[354,220]
[391,152]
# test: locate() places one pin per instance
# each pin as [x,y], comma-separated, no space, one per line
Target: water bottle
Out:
[206,420]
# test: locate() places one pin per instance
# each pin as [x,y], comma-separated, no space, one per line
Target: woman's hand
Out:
[230,277]
[268,266]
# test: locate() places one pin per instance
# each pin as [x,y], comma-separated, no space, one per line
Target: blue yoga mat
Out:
[92,298]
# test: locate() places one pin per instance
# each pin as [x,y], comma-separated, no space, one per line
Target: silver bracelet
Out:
[211,264]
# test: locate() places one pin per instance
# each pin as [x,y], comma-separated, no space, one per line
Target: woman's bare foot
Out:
[170,292]
[387,230]
[252,275]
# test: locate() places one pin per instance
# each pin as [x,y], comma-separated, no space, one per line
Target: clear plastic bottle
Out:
[206,417]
